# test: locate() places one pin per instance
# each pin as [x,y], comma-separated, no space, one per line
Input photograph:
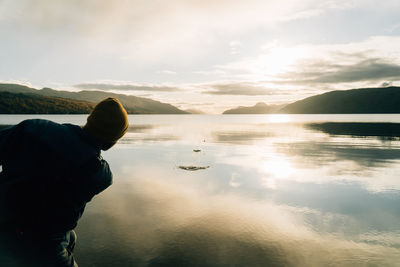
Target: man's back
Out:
[49,172]
[58,169]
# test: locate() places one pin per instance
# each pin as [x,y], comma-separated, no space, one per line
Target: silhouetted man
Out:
[49,172]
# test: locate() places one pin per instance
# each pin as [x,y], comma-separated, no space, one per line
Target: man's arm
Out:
[4,140]
[101,179]
[94,177]
[88,180]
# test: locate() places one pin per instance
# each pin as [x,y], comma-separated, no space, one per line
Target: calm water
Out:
[280,190]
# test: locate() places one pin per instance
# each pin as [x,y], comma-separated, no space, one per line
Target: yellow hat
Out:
[108,121]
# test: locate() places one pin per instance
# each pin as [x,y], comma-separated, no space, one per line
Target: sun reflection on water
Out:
[279,118]
[277,167]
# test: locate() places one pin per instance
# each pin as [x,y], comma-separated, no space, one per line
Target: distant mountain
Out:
[11,103]
[194,111]
[133,104]
[259,108]
[366,100]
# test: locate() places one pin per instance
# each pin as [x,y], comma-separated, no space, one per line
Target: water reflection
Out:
[141,128]
[155,222]
[384,130]
[321,153]
[239,137]
[277,168]
[280,191]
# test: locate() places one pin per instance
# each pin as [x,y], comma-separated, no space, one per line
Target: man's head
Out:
[108,122]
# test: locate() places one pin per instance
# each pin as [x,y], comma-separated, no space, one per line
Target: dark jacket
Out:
[50,171]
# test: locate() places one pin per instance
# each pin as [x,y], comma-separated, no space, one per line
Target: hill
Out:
[365,100]
[19,103]
[194,111]
[259,108]
[133,104]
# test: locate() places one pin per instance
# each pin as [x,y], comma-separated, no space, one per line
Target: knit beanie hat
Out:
[108,121]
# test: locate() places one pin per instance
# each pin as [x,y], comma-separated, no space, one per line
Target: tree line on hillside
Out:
[132,104]
[11,103]
[354,101]
[28,103]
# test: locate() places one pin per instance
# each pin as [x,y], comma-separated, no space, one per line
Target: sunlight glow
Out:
[277,168]
[278,59]
[279,118]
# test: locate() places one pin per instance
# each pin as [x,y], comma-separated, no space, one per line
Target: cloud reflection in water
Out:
[155,222]
[276,194]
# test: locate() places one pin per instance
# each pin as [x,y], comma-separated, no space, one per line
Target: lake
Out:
[275,190]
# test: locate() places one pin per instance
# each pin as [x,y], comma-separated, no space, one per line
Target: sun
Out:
[279,59]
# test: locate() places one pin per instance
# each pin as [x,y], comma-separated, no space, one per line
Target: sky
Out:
[209,55]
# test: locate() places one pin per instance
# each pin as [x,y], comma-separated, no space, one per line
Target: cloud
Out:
[195,104]
[157,29]
[127,87]
[20,82]
[167,72]
[213,72]
[366,70]
[235,47]
[386,84]
[242,88]
[145,15]
[319,67]
[256,88]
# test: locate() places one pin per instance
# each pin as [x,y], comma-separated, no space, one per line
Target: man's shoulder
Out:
[68,138]
[38,122]
[45,127]
[32,125]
